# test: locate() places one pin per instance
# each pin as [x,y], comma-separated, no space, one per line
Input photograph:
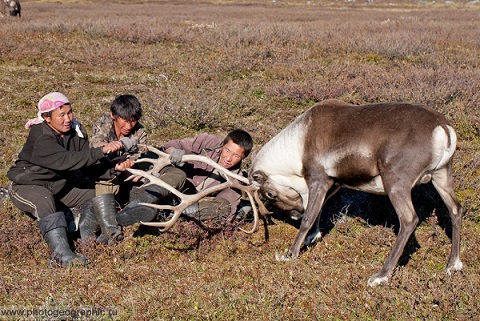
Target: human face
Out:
[123,127]
[231,155]
[61,119]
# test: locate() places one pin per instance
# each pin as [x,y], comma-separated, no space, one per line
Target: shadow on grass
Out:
[373,210]
[377,210]
[189,233]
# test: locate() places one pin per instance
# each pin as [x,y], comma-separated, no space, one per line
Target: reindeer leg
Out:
[318,189]
[314,234]
[400,196]
[443,183]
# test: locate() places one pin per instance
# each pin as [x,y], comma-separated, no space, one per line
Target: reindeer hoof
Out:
[283,257]
[376,280]
[457,266]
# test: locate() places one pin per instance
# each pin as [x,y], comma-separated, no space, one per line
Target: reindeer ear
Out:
[259,177]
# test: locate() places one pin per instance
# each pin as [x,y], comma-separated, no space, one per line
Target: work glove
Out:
[176,156]
[129,144]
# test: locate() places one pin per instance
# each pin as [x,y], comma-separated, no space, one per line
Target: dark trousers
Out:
[171,175]
[40,202]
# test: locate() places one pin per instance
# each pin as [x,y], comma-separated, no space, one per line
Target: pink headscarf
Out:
[48,103]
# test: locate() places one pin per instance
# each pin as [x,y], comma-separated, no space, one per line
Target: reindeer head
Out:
[278,191]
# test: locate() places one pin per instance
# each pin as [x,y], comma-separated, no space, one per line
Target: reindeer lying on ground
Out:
[378,148]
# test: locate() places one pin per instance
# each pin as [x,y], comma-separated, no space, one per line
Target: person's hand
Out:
[112,147]
[122,166]
[137,178]
[130,144]
[176,156]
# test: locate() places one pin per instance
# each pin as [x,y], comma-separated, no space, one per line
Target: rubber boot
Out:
[105,209]
[88,224]
[134,213]
[54,231]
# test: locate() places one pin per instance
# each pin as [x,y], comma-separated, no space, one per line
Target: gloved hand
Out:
[176,156]
[130,144]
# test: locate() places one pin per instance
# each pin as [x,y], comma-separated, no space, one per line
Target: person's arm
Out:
[179,147]
[123,166]
[194,145]
[50,154]
[183,144]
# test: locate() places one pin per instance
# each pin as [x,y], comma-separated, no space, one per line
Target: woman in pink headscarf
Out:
[45,177]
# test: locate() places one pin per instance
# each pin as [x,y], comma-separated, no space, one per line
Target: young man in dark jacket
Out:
[49,176]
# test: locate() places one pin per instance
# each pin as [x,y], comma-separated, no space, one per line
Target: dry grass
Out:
[211,66]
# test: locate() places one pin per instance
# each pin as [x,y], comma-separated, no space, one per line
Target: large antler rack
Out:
[232,180]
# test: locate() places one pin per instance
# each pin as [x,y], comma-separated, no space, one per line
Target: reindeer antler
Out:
[232,180]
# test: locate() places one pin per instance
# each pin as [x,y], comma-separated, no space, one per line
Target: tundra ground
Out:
[211,66]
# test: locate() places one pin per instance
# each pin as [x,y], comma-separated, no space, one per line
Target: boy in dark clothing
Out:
[45,177]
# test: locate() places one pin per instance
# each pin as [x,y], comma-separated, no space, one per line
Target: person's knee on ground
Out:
[54,230]
[134,212]
[153,194]
[173,176]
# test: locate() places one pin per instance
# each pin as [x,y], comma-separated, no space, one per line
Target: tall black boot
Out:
[134,213]
[105,210]
[88,223]
[54,231]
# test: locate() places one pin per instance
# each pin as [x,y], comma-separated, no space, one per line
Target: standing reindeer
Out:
[13,7]
[385,148]
[378,148]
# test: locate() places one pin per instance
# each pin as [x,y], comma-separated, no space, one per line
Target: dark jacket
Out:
[104,131]
[51,161]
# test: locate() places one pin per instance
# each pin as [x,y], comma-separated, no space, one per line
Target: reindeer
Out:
[13,6]
[378,148]
[384,148]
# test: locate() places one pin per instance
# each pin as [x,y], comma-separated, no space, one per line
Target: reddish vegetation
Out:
[210,67]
